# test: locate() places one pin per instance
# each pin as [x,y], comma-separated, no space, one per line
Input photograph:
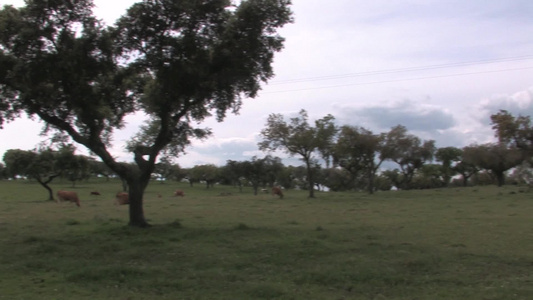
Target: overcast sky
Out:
[438,67]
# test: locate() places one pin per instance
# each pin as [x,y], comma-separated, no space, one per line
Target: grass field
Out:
[457,243]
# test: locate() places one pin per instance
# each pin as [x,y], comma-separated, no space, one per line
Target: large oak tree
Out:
[177,62]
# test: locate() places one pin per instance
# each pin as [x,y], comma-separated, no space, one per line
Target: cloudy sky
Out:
[438,67]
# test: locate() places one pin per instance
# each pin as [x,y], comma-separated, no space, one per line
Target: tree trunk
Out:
[310,181]
[136,192]
[371,182]
[447,179]
[45,185]
[500,177]
[50,192]
[465,180]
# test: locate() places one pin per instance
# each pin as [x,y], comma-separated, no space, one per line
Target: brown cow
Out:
[122,198]
[179,193]
[276,190]
[68,196]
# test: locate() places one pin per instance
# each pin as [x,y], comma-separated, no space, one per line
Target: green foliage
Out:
[497,158]
[298,137]
[356,151]
[450,157]
[177,62]
[513,130]
[408,151]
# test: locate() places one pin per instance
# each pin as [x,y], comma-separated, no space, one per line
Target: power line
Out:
[401,70]
[397,80]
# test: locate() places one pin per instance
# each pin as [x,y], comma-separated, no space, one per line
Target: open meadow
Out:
[456,243]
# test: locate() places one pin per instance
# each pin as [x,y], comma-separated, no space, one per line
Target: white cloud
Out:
[519,103]
[451,104]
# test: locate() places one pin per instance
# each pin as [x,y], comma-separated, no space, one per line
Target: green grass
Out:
[460,243]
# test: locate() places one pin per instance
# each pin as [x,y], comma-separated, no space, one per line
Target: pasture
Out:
[457,243]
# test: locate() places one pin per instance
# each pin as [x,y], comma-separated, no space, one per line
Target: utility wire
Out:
[396,80]
[401,70]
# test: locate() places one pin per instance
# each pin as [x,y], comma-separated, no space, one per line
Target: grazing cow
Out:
[96,193]
[179,193]
[276,190]
[122,198]
[68,196]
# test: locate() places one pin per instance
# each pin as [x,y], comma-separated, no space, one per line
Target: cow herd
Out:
[122,198]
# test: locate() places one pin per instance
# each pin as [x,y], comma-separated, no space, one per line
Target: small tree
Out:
[408,151]
[449,157]
[73,167]
[254,172]
[296,138]
[511,130]
[208,173]
[165,169]
[233,173]
[466,169]
[357,151]
[497,158]
[41,165]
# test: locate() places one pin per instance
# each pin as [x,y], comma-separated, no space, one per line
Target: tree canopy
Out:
[298,137]
[177,62]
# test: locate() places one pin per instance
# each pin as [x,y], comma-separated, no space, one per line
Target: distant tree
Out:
[41,165]
[100,169]
[74,167]
[166,169]
[466,169]
[497,158]
[429,176]
[17,162]
[408,151]
[523,173]
[449,157]
[383,183]
[208,173]
[326,135]
[254,171]
[394,177]
[233,173]
[515,131]
[272,168]
[337,179]
[177,173]
[177,62]
[357,151]
[285,177]
[484,177]
[3,171]
[297,137]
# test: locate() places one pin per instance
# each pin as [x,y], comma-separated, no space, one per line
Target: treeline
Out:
[338,158]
